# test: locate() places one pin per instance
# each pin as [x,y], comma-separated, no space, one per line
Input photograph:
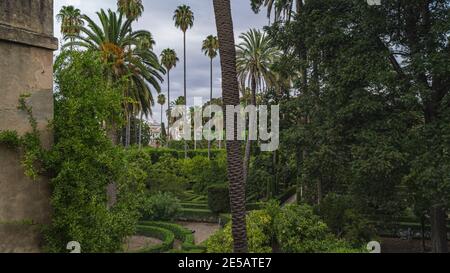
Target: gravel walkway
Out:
[135,243]
[202,230]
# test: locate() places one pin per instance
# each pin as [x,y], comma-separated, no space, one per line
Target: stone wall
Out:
[26,60]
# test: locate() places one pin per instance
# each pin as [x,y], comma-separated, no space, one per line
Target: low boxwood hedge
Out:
[194,205]
[197,215]
[166,236]
[181,233]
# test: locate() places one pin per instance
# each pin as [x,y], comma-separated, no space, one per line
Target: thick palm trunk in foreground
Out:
[230,93]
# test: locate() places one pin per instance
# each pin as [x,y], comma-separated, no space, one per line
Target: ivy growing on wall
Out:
[29,144]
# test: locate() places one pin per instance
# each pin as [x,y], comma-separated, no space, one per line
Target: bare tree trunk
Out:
[248,146]
[128,131]
[168,107]
[140,132]
[185,92]
[230,89]
[210,101]
[439,229]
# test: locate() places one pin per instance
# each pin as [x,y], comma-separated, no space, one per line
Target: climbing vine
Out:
[29,144]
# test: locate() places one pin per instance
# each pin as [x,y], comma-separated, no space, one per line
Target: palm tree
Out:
[71,21]
[128,53]
[255,56]
[210,48]
[283,8]
[161,101]
[132,9]
[169,60]
[184,19]
[230,92]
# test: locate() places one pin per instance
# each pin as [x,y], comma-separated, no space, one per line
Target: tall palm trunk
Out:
[128,128]
[230,92]
[210,101]
[140,131]
[128,115]
[248,146]
[168,106]
[162,113]
[185,93]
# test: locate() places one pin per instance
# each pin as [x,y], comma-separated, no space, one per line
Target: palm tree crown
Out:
[210,46]
[184,18]
[255,55]
[169,58]
[130,54]
[132,9]
[71,21]
[283,8]
[161,99]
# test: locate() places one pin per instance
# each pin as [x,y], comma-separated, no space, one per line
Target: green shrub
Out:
[166,176]
[167,237]
[299,230]
[259,233]
[339,214]
[160,206]
[83,161]
[219,198]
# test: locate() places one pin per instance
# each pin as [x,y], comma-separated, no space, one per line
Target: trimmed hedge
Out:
[197,215]
[219,198]
[182,234]
[194,205]
[156,153]
[164,235]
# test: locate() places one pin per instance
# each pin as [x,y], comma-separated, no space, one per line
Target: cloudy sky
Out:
[157,18]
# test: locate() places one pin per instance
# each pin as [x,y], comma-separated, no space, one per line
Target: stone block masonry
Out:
[26,61]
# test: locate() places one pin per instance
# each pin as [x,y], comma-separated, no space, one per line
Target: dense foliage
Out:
[160,206]
[219,198]
[291,229]
[86,163]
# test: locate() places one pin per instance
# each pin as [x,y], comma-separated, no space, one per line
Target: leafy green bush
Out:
[160,206]
[259,233]
[299,230]
[166,176]
[219,198]
[339,214]
[85,162]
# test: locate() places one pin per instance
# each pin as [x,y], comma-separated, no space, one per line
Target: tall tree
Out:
[255,56]
[283,9]
[162,101]
[230,93]
[184,19]
[210,48]
[132,9]
[71,21]
[129,54]
[169,60]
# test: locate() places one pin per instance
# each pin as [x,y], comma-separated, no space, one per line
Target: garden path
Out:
[202,230]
